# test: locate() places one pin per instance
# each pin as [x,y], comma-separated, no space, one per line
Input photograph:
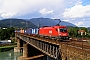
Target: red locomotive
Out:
[55,31]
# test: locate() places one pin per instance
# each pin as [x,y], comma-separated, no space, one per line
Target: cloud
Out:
[13,8]
[66,20]
[79,23]
[7,15]
[77,11]
[45,11]
[16,8]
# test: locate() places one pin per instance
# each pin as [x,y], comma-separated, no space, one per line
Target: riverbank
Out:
[7,48]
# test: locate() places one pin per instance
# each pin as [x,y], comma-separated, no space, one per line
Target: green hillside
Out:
[18,23]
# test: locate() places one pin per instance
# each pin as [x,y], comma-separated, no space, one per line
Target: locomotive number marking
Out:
[50,31]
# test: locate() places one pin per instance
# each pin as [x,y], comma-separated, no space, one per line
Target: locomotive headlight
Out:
[66,37]
[59,34]
[64,34]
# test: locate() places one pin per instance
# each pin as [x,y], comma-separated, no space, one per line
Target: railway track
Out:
[78,45]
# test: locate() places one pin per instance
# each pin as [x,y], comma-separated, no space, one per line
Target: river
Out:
[11,55]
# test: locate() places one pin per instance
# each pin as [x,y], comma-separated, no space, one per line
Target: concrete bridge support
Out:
[30,53]
[19,45]
[25,53]
[25,50]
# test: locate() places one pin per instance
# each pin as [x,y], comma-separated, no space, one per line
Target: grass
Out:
[6,48]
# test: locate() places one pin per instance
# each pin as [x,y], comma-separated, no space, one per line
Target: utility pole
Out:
[11,23]
[38,25]
[26,24]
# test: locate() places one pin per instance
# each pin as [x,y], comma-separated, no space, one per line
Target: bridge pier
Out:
[19,45]
[25,53]
[25,50]
[30,53]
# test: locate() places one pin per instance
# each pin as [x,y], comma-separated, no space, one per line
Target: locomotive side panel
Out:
[48,31]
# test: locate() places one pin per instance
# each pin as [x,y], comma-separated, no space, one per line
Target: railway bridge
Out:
[51,47]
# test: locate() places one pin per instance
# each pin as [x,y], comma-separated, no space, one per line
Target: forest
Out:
[6,33]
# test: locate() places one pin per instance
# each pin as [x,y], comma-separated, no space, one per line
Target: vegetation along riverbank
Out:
[6,48]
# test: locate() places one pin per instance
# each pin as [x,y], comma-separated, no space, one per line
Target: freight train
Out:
[58,32]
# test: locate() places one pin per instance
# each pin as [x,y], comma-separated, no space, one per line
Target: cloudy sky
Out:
[73,11]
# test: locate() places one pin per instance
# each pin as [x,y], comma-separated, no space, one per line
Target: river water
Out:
[9,55]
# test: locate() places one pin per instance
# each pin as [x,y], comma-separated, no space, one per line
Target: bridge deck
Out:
[56,49]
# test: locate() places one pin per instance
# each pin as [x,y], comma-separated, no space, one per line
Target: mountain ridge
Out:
[32,23]
[19,23]
[49,22]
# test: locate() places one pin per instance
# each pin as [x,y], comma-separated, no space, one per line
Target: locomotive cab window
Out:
[56,29]
[63,30]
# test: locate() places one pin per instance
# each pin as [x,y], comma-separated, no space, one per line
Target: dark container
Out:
[29,31]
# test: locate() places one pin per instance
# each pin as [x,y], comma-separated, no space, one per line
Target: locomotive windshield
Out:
[63,30]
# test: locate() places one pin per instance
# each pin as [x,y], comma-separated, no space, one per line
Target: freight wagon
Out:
[28,31]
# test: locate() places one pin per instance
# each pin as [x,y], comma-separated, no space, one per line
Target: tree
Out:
[6,33]
[73,32]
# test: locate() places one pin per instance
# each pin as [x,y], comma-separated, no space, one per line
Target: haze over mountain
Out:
[32,23]
[89,28]
[49,22]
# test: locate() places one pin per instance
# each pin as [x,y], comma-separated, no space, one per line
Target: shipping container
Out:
[22,31]
[25,32]
[29,31]
[17,31]
[35,31]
